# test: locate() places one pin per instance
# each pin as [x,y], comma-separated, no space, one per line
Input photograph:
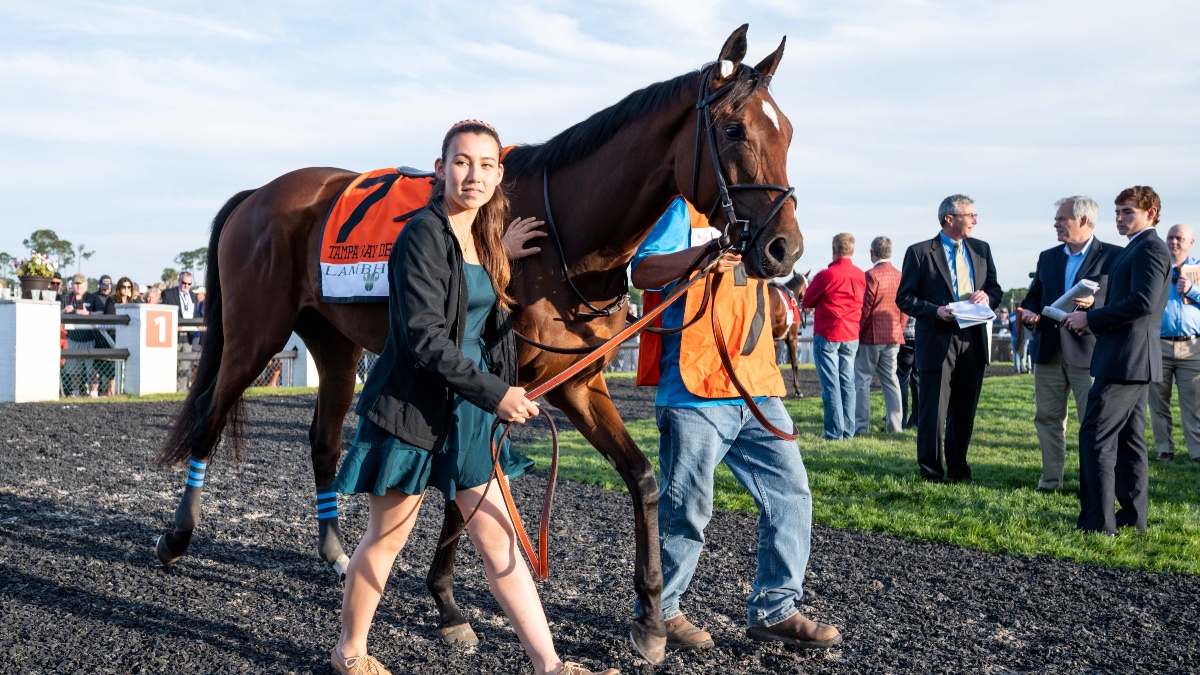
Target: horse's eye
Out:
[735,132]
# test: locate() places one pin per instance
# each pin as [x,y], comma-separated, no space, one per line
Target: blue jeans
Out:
[692,442]
[835,371]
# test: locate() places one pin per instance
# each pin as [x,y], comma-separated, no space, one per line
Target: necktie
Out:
[961,272]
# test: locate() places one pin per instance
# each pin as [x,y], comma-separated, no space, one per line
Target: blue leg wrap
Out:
[326,503]
[196,473]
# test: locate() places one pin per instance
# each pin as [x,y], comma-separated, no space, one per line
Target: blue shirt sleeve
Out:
[671,234]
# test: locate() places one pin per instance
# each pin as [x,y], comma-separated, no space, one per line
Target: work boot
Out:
[683,634]
[357,665]
[798,631]
[570,668]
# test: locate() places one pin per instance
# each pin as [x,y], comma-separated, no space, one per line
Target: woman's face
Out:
[125,290]
[471,171]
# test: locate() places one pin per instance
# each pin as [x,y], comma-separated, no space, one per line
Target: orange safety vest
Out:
[699,363]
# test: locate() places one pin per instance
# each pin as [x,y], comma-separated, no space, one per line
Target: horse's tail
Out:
[194,416]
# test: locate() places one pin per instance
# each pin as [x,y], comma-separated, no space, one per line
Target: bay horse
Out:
[606,180]
[790,332]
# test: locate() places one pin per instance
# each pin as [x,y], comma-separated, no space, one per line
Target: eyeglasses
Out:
[185,283]
[126,286]
[964,215]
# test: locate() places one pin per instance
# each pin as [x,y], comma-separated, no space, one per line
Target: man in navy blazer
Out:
[1112,437]
[948,268]
[1063,358]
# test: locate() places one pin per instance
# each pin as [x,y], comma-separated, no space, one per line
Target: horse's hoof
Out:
[340,566]
[165,556]
[653,648]
[457,635]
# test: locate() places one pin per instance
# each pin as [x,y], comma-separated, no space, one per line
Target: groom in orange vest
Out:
[703,422]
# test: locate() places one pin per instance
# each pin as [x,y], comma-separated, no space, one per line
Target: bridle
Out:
[737,238]
[740,240]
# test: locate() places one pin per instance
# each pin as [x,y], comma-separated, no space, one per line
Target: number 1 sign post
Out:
[153,345]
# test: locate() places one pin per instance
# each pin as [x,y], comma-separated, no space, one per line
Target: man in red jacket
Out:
[880,336]
[837,294]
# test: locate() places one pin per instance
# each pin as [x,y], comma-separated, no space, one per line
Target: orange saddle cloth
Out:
[363,222]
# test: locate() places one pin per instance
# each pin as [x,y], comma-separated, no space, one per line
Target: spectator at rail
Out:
[953,266]
[123,294]
[907,374]
[201,294]
[104,287]
[836,295]
[1180,343]
[78,301]
[56,285]
[153,295]
[881,332]
[1019,339]
[183,297]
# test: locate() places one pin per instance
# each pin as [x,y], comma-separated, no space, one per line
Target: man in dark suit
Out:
[950,267]
[182,297]
[1125,360]
[1064,357]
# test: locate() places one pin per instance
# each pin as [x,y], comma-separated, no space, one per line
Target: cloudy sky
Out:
[125,125]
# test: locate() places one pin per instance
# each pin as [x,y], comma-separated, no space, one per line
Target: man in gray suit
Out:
[1112,437]
[1063,357]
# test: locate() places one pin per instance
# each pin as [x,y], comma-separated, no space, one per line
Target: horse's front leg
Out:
[588,406]
[452,627]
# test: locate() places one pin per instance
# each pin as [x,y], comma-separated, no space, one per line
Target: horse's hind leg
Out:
[336,358]
[452,625]
[240,364]
[588,406]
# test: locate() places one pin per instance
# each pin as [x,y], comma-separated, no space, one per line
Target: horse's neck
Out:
[622,198]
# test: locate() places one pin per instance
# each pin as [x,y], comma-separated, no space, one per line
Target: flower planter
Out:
[29,284]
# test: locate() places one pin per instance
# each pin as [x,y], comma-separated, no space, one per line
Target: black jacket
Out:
[1127,328]
[410,391]
[1048,285]
[170,296]
[925,286]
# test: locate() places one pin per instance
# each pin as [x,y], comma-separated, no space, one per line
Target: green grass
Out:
[871,483]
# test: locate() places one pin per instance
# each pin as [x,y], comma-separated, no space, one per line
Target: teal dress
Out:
[378,461]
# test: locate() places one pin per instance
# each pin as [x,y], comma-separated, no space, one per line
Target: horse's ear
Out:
[732,53]
[768,65]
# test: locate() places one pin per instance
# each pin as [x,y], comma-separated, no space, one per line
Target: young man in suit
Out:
[950,267]
[1126,359]
[1063,357]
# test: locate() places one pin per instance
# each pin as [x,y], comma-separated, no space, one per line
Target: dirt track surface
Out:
[81,590]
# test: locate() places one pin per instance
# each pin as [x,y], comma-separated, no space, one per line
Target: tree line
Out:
[66,254]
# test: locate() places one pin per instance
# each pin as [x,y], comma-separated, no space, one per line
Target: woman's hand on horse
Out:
[514,407]
[728,262]
[518,235]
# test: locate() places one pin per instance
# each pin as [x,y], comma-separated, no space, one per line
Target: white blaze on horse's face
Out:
[471,170]
[769,110]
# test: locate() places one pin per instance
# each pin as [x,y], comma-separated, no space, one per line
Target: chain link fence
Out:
[90,365]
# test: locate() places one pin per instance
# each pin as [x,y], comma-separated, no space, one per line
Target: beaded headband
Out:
[481,123]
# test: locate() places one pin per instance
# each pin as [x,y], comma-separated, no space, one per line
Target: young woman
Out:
[446,371]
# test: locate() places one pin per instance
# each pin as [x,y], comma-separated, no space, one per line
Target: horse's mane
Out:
[586,137]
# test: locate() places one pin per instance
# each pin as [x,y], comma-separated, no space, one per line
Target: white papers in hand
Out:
[967,313]
[1086,288]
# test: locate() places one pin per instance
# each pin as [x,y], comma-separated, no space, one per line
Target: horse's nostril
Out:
[777,250]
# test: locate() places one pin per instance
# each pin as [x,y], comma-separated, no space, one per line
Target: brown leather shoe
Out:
[570,668]
[682,634]
[357,665]
[1165,456]
[798,631]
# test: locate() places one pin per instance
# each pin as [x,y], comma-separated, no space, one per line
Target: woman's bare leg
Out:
[508,575]
[392,518]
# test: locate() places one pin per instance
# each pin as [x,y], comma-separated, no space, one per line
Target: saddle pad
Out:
[791,309]
[357,235]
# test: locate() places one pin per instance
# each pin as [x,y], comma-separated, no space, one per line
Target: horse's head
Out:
[749,135]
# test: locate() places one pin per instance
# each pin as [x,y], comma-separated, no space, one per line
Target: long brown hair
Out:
[117,291]
[488,228]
